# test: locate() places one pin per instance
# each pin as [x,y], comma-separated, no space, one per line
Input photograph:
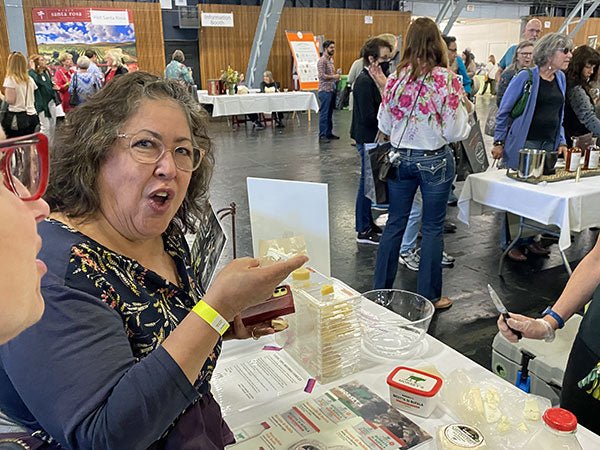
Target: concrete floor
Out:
[294,153]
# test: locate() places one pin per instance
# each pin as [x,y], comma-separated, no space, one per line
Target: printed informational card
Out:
[247,382]
[349,416]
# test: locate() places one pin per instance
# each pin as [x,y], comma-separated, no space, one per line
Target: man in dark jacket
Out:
[367,97]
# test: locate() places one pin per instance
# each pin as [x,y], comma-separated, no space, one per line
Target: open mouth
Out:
[161,197]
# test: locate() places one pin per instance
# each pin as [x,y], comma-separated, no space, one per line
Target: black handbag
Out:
[380,167]
[74,101]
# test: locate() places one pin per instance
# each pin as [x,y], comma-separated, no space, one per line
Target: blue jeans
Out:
[362,212]
[326,113]
[409,240]
[433,174]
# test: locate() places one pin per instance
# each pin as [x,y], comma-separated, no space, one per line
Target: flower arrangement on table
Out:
[230,78]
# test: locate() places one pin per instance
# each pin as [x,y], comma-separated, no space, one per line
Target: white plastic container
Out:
[558,431]
[413,390]
[458,436]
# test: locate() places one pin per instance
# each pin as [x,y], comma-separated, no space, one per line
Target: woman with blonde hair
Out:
[114,59]
[45,104]
[424,107]
[62,79]
[21,117]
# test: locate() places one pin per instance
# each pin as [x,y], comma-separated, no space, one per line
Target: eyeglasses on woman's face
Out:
[24,165]
[146,148]
[565,50]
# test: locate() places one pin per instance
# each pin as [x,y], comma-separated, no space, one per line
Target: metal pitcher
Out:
[531,163]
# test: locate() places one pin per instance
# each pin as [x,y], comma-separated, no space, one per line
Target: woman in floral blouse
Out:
[123,356]
[423,108]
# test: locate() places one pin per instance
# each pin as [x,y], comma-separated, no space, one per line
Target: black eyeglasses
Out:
[565,50]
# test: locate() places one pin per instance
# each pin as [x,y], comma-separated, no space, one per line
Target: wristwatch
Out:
[499,143]
[550,312]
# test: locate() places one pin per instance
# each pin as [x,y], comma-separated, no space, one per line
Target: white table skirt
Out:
[230,105]
[430,352]
[569,205]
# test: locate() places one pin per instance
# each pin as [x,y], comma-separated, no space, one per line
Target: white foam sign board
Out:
[283,208]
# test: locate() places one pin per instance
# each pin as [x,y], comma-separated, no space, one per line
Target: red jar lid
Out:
[560,419]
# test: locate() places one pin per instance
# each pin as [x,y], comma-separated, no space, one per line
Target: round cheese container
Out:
[413,390]
[458,436]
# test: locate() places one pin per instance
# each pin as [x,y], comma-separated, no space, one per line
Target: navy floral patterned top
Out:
[150,306]
[92,372]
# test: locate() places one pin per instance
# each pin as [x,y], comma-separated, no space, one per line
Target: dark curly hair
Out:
[83,142]
[582,56]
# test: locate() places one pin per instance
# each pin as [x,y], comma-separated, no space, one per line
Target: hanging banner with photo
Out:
[75,30]
[306,55]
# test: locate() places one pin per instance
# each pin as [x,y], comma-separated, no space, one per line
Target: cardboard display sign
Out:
[306,55]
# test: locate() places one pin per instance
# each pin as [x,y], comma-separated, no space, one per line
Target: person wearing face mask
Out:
[367,98]
[21,206]
[386,66]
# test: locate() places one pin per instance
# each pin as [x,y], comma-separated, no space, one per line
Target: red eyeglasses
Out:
[24,165]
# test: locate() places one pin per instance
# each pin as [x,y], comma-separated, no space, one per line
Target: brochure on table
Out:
[349,416]
[283,208]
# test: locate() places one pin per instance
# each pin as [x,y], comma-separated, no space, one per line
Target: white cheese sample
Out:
[531,410]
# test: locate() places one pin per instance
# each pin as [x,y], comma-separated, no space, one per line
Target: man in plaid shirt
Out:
[327,80]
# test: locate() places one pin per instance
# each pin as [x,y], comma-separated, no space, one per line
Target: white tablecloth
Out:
[569,205]
[231,105]
[430,352]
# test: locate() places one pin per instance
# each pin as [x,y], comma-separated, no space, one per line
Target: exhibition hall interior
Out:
[299,224]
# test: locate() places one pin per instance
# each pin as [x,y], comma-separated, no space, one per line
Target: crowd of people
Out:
[422,107]
[38,95]
[123,331]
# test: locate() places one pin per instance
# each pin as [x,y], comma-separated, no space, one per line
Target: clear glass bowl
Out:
[396,335]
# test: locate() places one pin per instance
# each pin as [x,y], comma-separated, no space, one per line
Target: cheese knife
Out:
[502,309]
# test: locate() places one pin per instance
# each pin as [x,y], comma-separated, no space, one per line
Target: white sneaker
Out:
[382,220]
[447,260]
[410,260]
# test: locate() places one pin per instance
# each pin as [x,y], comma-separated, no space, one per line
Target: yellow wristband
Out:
[211,317]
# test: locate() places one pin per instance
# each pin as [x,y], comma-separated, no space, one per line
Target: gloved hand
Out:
[529,328]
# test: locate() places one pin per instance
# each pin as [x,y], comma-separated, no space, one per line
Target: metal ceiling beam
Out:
[577,10]
[457,10]
[585,17]
[443,11]
[270,13]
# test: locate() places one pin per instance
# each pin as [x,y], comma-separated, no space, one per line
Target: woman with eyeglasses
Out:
[21,118]
[23,180]
[129,340]
[540,126]
[523,59]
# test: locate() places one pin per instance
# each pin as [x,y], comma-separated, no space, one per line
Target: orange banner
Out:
[306,54]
